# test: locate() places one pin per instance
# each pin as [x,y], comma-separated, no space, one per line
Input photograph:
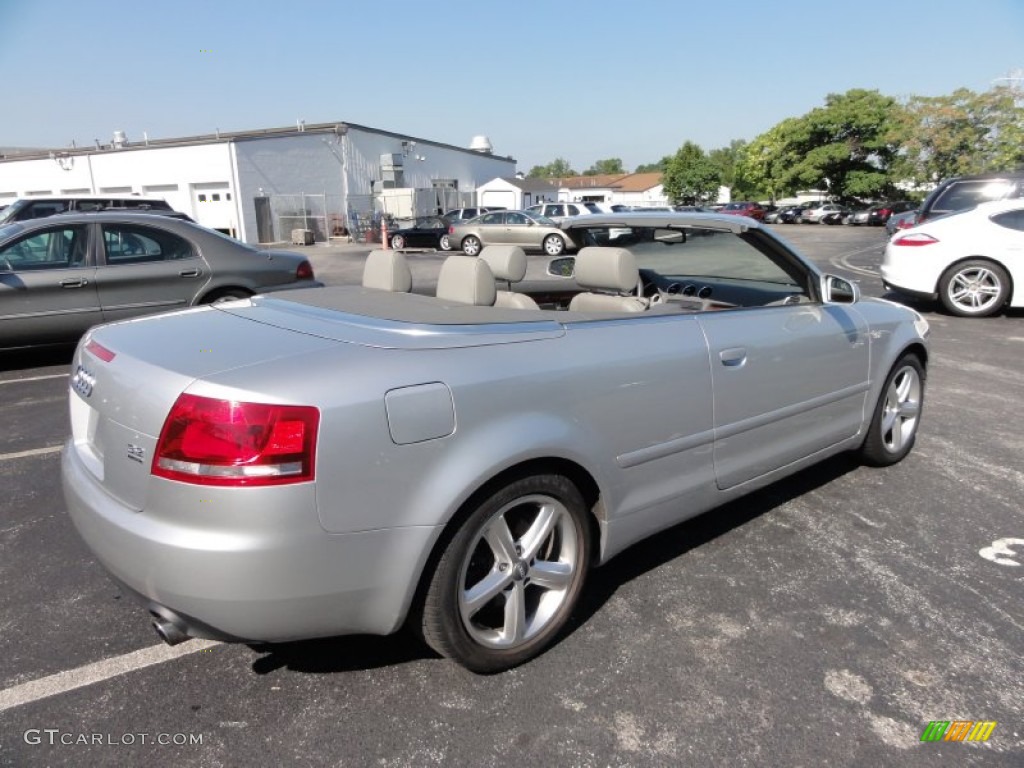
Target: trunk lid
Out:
[118,405]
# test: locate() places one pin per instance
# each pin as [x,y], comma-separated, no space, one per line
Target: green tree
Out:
[846,147]
[727,160]
[611,166]
[764,163]
[691,177]
[557,168]
[962,132]
[658,167]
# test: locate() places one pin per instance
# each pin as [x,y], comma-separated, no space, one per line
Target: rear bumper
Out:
[247,567]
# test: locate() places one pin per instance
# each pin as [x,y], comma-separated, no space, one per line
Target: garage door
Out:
[499,198]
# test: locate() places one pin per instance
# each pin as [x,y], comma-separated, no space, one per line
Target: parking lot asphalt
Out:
[822,621]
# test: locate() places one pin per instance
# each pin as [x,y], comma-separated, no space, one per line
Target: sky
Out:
[584,81]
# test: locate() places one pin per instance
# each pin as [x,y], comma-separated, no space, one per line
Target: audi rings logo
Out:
[83,381]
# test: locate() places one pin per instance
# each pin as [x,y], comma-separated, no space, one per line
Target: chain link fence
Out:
[328,216]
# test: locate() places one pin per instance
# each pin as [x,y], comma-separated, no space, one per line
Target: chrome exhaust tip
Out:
[168,631]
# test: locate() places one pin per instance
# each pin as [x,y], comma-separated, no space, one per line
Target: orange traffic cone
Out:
[384,233]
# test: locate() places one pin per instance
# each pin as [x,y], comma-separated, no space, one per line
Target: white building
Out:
[516,193]
[332,178]
[633,189]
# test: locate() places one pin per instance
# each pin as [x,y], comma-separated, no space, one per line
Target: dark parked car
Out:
[426,232]
[961,193]
[26,208]
[790,214]
[60,275]
[879,214]
[836,216]
[900,221]
[745,208]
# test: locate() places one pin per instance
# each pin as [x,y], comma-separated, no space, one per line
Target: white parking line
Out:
[31,452]
[36,378]
[62,682]
[842,261]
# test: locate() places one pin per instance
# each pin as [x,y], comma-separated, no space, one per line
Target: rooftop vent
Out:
[481,144]
[120,140]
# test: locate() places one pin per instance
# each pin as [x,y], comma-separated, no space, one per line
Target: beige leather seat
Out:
[508,263]
[387,271]
[466,280]
[609,275]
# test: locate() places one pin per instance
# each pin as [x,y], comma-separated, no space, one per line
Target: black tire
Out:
[897,416]
[444,243]
[974,288]
[474,631]
[554,245]
[226,294]
[471,245]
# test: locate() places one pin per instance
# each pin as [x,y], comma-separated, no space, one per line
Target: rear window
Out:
[126,244]
[961,195]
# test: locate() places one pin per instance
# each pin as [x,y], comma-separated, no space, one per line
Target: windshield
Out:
[697,252]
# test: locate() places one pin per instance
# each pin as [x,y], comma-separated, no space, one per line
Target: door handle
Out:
[734,357]
[189,273]
[74,282]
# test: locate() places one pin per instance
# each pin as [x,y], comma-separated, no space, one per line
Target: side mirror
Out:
[564,266]
[836,290]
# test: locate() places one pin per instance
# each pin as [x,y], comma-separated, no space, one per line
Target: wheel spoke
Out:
[481,593]
[515,614]
[909,410]
[499,539]
[896,443]
[547,517]
[889,419]
[551,575]
[904,383]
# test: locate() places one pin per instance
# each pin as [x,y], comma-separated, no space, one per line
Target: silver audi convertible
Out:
[359,459]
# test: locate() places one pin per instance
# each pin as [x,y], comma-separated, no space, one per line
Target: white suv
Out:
[558,211]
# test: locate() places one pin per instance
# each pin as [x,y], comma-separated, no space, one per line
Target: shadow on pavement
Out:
[363,652]
[41,357]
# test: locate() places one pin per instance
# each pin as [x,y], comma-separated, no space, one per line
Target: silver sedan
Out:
[356,460]
[528,230]
[61,274]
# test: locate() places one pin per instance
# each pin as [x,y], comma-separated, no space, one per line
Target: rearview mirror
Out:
[669,236]
[564,266]
[836,290]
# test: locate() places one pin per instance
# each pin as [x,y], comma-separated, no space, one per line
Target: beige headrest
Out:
[606,269]
[507,262]
[466,280]
[387,271]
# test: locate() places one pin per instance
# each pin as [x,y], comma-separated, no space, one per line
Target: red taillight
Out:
[885,213]
[304,272]
[100,351]
[224,442]
[451,229]
[918,238]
